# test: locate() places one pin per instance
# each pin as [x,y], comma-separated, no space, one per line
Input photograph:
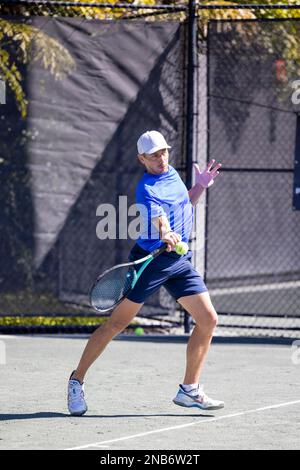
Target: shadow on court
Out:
[7,417]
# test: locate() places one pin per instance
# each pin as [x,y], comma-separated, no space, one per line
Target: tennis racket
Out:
[112,286]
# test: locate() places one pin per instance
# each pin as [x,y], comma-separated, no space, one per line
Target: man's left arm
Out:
[203,180]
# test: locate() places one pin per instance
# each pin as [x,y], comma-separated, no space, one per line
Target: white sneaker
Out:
[76,402]
[196,399]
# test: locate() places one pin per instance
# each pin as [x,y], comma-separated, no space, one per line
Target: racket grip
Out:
[159,250]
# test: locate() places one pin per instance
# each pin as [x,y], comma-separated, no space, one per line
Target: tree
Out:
[29,44]
[32,44]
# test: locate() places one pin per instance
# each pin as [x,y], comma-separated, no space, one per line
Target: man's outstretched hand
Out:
[206,178]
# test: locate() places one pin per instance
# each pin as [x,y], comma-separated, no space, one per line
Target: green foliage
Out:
[281,41]
[51,321]
[31,45]
[11,75]
[34,45]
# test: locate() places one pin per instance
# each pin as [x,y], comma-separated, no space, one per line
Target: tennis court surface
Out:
[130,389]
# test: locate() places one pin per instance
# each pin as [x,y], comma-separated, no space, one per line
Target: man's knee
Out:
[122,316]
[207,320]
[214,318]
[116,326]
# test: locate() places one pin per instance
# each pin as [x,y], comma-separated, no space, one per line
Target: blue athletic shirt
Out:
[163,194]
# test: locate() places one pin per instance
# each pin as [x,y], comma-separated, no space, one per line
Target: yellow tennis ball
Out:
[181,248]
[139,331]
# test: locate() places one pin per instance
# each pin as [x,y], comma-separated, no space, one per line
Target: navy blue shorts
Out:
[174,272]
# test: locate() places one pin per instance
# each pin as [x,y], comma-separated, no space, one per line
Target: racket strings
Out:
[112,287]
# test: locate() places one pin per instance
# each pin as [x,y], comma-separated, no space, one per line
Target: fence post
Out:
[190,109]
[296,192]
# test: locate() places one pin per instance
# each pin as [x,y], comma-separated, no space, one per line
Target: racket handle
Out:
[159,250]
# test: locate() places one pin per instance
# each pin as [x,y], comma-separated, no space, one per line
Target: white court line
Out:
[7,337]
[181,426]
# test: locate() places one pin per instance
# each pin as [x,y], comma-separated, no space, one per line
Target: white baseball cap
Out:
[150,142]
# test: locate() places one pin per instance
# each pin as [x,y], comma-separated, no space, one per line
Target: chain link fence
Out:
[253,242]
[83,86]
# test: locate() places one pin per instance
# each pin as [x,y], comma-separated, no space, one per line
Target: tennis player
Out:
[169,220]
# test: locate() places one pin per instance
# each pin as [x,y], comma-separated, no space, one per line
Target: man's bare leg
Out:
[205,316]
[190,394]
[122,315]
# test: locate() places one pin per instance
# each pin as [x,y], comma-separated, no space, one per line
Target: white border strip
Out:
[207,420]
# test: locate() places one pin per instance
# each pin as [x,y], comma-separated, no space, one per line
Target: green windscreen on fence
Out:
[93,87]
